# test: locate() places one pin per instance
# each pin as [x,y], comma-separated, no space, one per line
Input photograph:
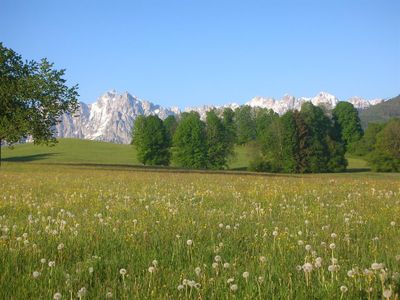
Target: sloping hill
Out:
[78,151]
[73,151]
[381,113]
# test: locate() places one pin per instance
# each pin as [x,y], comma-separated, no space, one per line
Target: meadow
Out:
[84,232]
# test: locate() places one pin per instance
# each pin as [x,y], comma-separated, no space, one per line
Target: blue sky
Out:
[188,53]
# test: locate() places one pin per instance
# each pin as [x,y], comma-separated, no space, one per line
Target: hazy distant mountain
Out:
[381,112]
[112,116]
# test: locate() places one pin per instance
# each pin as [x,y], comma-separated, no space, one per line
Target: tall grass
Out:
[85,233]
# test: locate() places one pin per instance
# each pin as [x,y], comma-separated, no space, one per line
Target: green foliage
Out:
[228,120]
[170,124]
[151,141]
[381,113]
[386,154]
[219,143]
[346,116]
[33,97]
[245,125]
[189,142]
[301,142]
[367,142]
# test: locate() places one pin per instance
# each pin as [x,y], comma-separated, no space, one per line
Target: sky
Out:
[188,53]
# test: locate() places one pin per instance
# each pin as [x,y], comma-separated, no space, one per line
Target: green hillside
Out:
[91,152]
[73,151]
[381,113]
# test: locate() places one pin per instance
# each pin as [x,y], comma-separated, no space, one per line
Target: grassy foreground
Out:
[91,233]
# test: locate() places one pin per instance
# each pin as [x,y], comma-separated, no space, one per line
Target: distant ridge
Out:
[381,112]
[111,117]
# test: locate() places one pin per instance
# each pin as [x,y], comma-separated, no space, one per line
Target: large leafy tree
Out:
[151,141]
[219,143]
[347,118]
[318,127]
[245,125]
[189,142]
[228,120]
[367,142]
[386,154]
[33,96]
[170,124]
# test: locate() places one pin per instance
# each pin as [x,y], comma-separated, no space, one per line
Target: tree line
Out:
[307,141]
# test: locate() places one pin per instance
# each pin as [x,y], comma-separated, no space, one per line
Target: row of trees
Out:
[189,142]
[303,141]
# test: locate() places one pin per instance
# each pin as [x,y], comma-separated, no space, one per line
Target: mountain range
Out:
[111,117]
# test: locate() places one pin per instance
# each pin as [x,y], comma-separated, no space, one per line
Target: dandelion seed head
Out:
[57,296]
[122,271]
[387,293]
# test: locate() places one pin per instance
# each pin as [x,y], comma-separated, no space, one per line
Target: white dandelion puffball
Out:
[308,247]
[333,268]
[180,287]
[154,262]
[260,279]
[332,246]
[275,233]
[57,296]
[197,270]
[343,289]
[307,267]
[230,280]
[122,272]
[226,265]
[217,258]
[43,261]
[82,292]
[214,265]
[376,266]
[60,247]
[333,235]
[245,275]
[263,259]
[52,264]
[91,270]
[387,293]
[393,223]
[189,242]
[152,269]
[234,287]
[36,274]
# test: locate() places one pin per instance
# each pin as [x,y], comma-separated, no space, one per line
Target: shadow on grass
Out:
[29,158]
[358,170]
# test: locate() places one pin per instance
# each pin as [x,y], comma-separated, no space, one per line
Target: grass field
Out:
[76,151]
[93,233]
